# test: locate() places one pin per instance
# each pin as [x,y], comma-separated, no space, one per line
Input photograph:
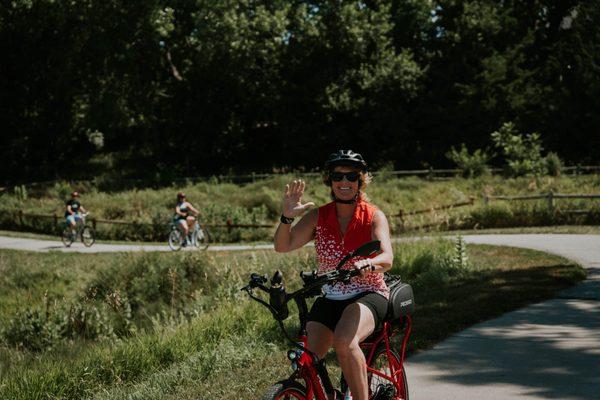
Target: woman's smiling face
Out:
[344,189]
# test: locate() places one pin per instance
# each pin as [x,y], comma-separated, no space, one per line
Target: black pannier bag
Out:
[402,300]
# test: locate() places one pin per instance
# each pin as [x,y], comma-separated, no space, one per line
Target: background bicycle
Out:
[198,237]
[82,231]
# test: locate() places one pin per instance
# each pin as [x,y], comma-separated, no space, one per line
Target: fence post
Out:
[20,217]
[94,223]
[430,174]
[401,217]
[229,223]
[551,201]
[55,219]
[486,200]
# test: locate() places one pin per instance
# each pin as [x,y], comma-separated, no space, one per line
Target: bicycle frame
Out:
[316,377]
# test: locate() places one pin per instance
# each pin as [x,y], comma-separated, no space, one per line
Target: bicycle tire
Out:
[88,236]
[286,390]
[380,362]
[380,357]
[202,237]
[175,239]
[67,237]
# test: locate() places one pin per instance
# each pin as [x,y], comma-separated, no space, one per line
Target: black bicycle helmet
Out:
[346,158]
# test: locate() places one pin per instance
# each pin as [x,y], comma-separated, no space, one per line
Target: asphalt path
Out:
[549,350]
[38,245]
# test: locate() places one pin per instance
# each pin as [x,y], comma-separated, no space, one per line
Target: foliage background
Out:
[188,88]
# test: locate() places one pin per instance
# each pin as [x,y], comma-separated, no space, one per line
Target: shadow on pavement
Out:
[548,350]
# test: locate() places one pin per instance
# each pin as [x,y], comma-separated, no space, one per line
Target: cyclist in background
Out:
[347,313]
[74,210]
[183,218]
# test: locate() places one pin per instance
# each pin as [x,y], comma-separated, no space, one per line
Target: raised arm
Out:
[380,231]
[192,209]
[288,238]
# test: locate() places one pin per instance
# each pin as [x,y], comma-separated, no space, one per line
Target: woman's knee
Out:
[344,343]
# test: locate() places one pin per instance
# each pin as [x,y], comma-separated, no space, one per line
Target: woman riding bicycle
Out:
[73,211]
[183,219]
[347,313]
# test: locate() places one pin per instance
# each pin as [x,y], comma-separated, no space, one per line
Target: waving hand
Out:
[292,199]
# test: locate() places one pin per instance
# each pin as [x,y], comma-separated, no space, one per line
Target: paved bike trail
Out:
[38,245]
[549,350]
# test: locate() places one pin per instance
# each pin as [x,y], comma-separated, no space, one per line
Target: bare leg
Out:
[184,227]
[356,324]
[191,221]
[320,338]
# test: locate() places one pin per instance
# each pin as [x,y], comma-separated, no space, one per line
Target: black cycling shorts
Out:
[328,311]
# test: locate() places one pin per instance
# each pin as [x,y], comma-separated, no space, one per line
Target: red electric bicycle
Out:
[310,380]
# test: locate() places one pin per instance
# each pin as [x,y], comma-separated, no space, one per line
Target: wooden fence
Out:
[550,199]
[431,210]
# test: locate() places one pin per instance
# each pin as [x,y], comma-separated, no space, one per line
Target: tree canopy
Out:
[205,86]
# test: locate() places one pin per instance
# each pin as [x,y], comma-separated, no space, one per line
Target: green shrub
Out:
[472,165]
[554,164]
[523,155]
[427,264]
[38,329]
[493,216]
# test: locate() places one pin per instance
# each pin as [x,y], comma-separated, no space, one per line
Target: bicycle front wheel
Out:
[176,239]
[67,237]
[202,237]
[397,388]
[88,237]
[286,390]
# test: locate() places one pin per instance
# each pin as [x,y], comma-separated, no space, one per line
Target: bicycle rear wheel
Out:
[286,390]
[176,239]
[67,237]
[88,237]
[396,389]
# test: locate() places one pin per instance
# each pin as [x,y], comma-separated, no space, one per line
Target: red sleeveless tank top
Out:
[332,246]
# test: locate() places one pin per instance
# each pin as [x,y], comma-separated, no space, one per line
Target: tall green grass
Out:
[260,203]
[194,329]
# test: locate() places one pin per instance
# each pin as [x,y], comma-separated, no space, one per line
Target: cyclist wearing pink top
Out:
[347,313]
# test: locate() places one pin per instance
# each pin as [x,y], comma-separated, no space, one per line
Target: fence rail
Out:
[550,198]
[402,214]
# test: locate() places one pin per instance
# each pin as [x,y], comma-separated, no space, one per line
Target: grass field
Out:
[259,203]
[176,326]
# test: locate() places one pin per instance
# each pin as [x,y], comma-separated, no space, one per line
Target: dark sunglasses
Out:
[338,176]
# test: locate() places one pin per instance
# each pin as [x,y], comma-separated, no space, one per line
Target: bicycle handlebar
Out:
[313,282]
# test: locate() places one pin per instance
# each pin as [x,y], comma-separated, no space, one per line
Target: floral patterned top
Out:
[332,246]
